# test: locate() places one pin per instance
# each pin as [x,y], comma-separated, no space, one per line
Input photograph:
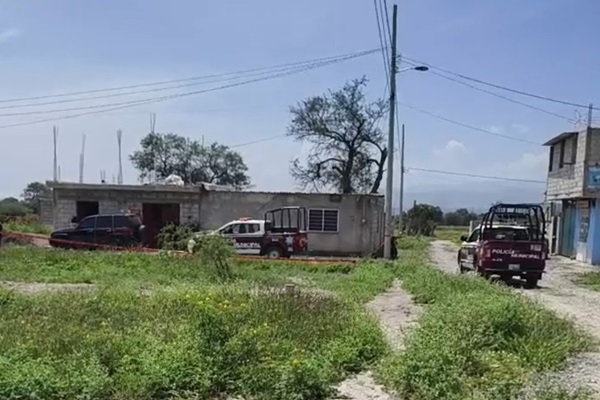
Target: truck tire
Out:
[273,252]
[531,281]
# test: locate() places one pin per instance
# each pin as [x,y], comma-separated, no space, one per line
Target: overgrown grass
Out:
[451,233]
[591,280]
[475,340]
[359,282]
[192,344]
[26,225]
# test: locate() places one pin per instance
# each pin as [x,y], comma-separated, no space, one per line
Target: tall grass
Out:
[28,224]
[119,344]
[475,340]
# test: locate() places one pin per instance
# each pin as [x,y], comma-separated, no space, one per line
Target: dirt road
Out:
[557,292]
[396,312]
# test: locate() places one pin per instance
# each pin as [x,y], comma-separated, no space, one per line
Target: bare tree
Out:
[347,152]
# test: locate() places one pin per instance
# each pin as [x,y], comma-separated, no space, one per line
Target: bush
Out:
[180,344]
[475,340]
[175,237]
[25,224]
[216,253]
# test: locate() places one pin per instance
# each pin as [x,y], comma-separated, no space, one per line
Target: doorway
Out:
[84,209]
[155,217]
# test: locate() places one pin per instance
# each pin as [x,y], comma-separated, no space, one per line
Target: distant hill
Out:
[477,197]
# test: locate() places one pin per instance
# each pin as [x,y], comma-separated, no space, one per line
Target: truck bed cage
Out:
[529,216]
[287,219]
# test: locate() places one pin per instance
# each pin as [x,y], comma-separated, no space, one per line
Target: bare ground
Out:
[396,312]
[557,292]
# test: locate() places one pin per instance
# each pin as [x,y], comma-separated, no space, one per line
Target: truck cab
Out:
[282,233]
[509,242]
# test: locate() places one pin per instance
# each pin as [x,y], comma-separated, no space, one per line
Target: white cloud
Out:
[521,128]
[453,147]
[495,129]
[9,34]
[528,166]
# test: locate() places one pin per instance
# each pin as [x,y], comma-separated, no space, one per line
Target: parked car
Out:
[510,241]
[282,233]
[102,229]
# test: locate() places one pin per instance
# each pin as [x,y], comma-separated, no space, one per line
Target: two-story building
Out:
[573,195]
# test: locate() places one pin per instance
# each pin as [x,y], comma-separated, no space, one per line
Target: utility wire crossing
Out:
[134,103]
[521,92]
[499,178]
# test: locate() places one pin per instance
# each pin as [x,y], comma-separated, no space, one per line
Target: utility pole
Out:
[401,201]
[389,225]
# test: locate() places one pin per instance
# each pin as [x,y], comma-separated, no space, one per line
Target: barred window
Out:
[323,220]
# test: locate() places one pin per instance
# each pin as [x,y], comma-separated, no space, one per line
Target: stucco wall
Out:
[360,225]
[567,182]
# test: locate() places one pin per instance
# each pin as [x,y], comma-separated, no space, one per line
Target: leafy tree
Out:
[422,219]
[166,154]
[460,217]
[12,207]
[347,151]
[32,194]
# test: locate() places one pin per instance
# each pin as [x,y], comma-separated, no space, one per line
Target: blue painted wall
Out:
[577,220]
[594,234]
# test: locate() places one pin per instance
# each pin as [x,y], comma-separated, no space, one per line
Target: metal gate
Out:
[567,231]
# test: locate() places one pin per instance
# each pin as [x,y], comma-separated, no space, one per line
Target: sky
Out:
[546,47]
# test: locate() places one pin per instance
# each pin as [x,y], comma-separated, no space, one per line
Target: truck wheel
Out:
[531,281]
[274,252]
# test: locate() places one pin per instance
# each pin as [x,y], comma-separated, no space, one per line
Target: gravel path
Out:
[557,292]
[396,312]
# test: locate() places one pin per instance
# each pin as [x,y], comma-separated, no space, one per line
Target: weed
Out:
[180,343]
[475,340]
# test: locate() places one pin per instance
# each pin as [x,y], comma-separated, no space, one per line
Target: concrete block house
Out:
[573,195]
[338,224]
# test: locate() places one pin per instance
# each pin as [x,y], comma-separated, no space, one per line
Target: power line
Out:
[258,141]
[385,54]
[119,106]
[152,90]
[521,92]
[116,88]
[435,171]
[474,128]
[224,77]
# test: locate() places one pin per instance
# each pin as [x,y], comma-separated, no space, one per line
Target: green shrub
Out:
[475,340]
[175,237]
[180,344]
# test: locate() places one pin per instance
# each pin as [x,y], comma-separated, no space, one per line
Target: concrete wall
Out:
[360,217]
[47,211]
[570,181]
[360,222]
[567,181]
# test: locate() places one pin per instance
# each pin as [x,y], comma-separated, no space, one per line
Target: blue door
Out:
[567,231]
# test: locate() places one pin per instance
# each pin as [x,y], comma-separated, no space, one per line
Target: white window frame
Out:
[337,223]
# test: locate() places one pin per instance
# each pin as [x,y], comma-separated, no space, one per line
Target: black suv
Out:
[101,230]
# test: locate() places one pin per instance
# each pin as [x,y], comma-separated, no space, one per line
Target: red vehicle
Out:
[511,241]
[282,233]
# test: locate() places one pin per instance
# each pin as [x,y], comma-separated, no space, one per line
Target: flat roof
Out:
[179,189]
[562,136]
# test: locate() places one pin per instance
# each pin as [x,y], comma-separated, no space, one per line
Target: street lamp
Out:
[389,226]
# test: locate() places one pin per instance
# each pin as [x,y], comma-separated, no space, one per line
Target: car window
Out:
[125,221]
[243,228]
[230,229]
[507,233]
[474,236]
[253,228]
[104,222]
[87,223]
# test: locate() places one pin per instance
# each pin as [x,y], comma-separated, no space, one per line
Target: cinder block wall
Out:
[567,181]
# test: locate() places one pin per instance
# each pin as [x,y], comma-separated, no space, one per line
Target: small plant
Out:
[175,237]
[216,253]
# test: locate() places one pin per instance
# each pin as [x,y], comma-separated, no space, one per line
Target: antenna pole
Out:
[82,158]
[120,175]
[389,225]
[55,165]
